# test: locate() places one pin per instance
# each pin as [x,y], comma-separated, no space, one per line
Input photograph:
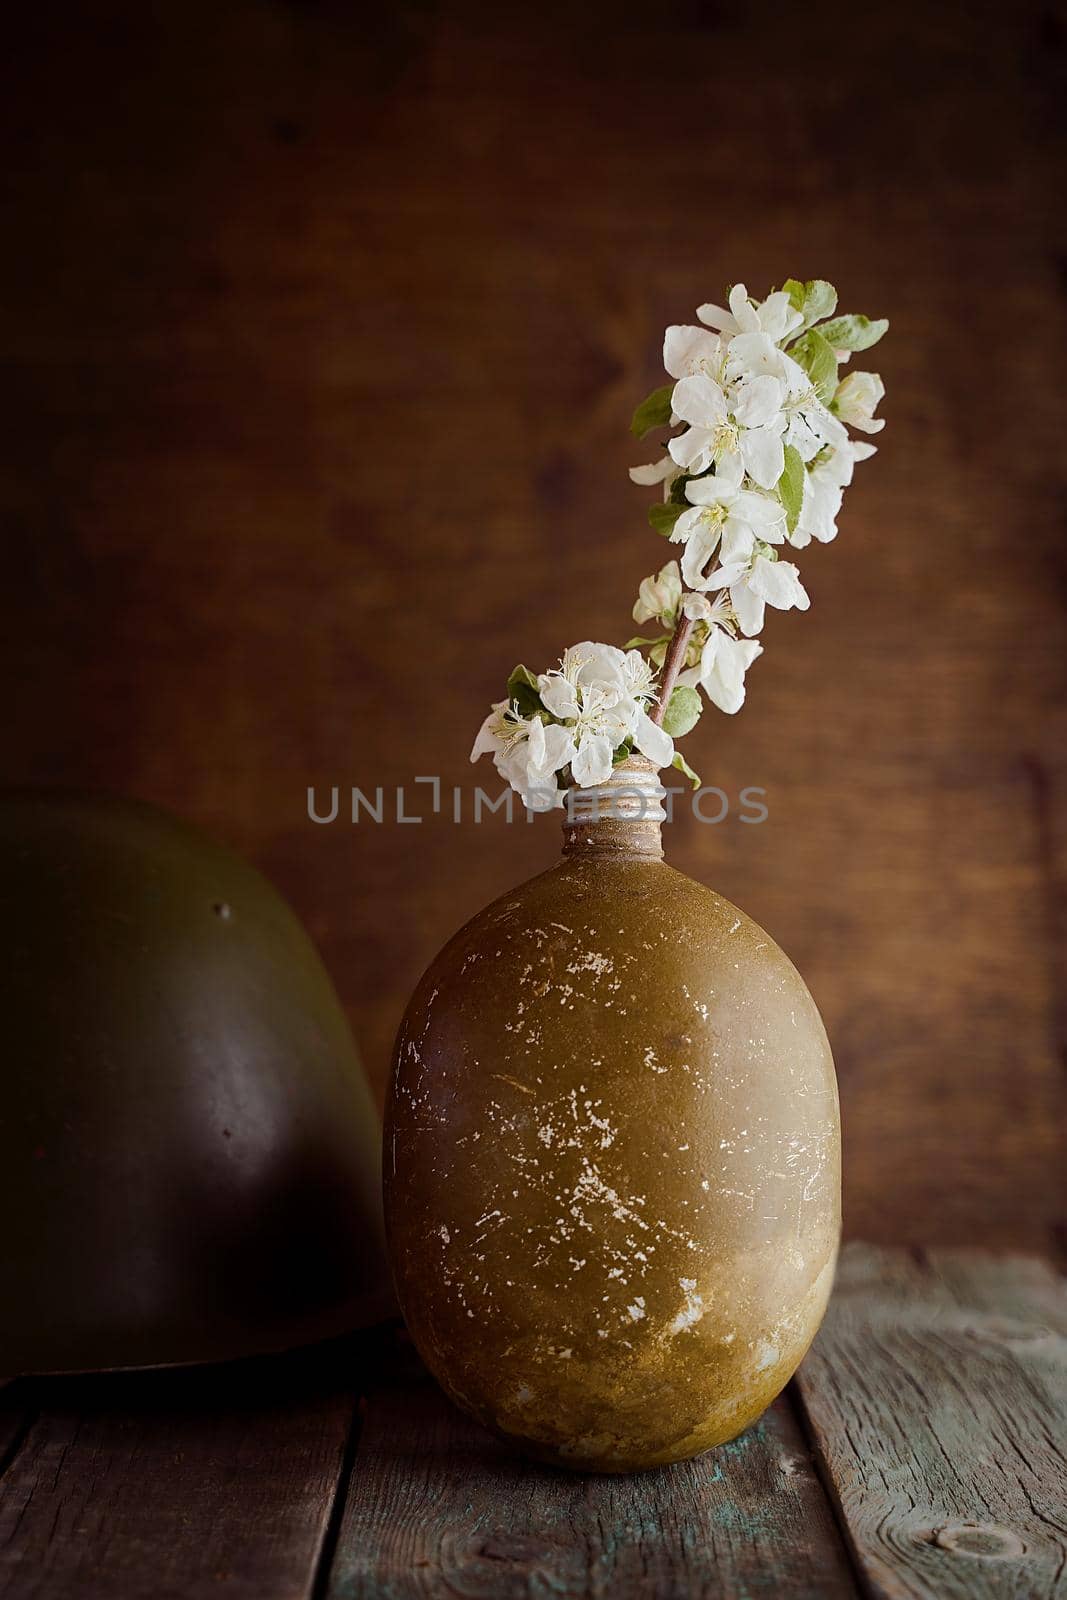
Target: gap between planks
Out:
[436,1507]
[176,1485]
[934,1396]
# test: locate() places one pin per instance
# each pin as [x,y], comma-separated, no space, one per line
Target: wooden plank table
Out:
[920,1452]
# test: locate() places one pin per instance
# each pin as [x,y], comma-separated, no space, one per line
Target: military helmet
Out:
[189,1152]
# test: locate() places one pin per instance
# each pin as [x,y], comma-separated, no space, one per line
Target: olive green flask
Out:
[612,1155]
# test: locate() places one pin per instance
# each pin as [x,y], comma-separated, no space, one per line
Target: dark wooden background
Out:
[321,331]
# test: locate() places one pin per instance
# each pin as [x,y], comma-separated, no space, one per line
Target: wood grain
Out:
[936,1395]
[436,1506]
[16,1413]
[176,1485]
[322,331]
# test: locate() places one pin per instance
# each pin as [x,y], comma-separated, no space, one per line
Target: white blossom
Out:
[530,765]
[611,713]
[800,420]
[712,438]
[596,700]
[810,427]
[721,673]
[757,584]
[857,398]
[737,430]
[727,519]
[775,316]
[655,472]
[650,739]
[824,489]
[494,732]
[698,608]
[688,351]
[659,595]
[742,408]
[526,752]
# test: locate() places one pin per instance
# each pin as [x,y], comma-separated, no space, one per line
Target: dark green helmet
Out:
[189,1153]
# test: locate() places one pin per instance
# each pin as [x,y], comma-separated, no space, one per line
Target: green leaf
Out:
[814,300]
[663,516]
[685,769]
[683,711]
[854,332]
[820,301]
[624,751]
[791,486]
[654,412]
[523,692]
[795,290]
[638,643]
[819,362]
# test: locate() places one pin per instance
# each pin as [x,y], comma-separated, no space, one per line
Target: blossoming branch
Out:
[759,459]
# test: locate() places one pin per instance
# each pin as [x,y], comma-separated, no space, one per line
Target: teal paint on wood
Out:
[437,1506]
[935,1394]
[934,1397]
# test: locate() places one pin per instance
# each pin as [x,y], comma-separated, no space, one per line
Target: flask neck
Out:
[621,816]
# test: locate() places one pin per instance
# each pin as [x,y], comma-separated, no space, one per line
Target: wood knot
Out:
[520,1548]
[1005,1331]
[984,1539]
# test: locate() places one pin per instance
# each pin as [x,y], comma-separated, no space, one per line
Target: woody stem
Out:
[672,665]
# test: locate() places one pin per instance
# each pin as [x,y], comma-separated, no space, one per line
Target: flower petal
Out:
[559,748]
[697,607]
[687,349]
[778,582]
[686,524]
[692,449]
[857,398]
[699,400]
[778,317]
[759,511]
[654,472]
[593,763]
[601,664]
[652,741]
[716,317]
[486,741]
[744,311]
[763,455]
[701,546]
[558,695]
[738,543]
[758,401]
[748,607]
[723,666]
[729,469]
[710,492]
[727,576]
[751,354]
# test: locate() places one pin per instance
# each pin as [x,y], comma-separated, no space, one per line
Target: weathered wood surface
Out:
[437,1507]
[936,1395]
[173,1486]
[16,1411]
[919,1456]
[322,324]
